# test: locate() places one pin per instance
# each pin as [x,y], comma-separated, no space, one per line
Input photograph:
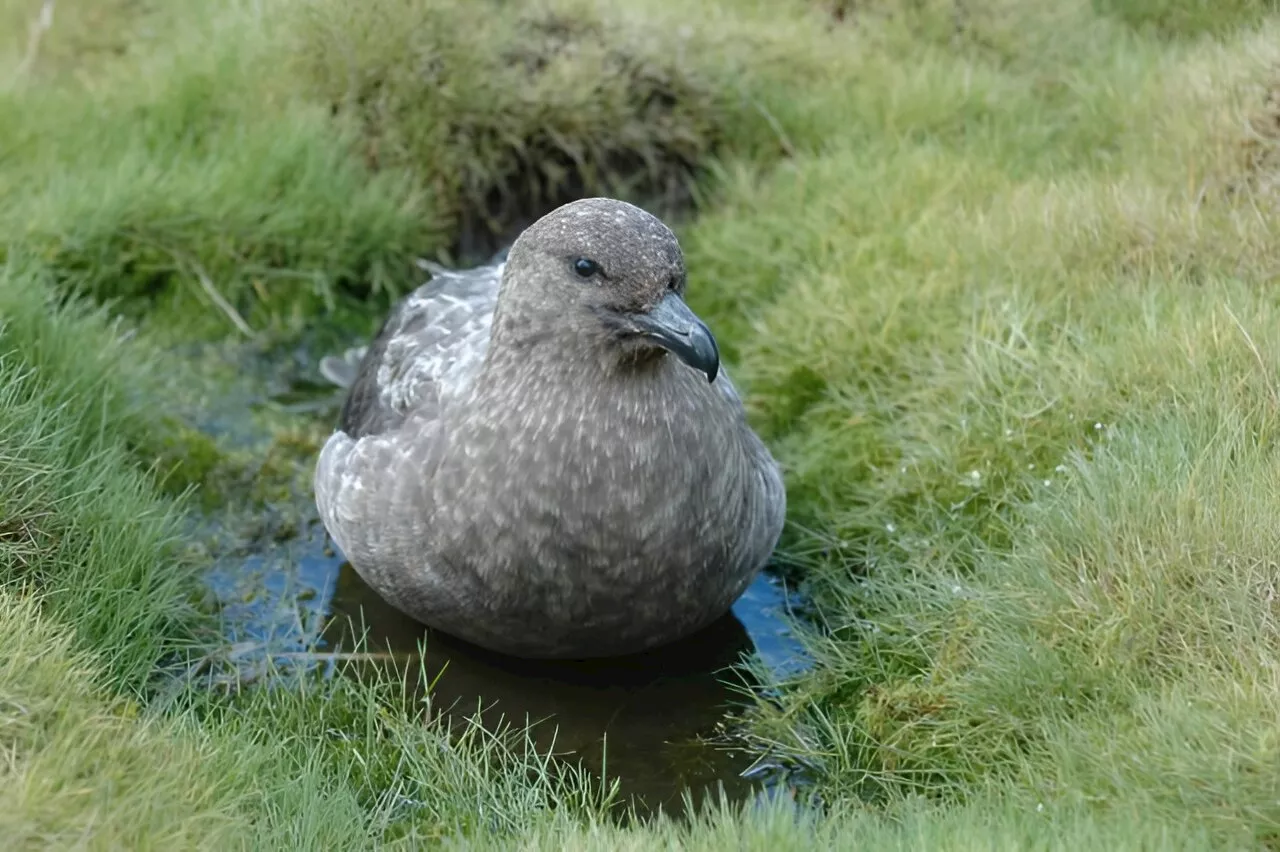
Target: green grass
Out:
[1187,17]
[266,166]
[998,277]
[82,527]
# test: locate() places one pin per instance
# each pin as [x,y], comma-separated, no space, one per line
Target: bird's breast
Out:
[596,477]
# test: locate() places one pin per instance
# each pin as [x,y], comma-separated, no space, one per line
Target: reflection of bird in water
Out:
[654,707]
[544,457]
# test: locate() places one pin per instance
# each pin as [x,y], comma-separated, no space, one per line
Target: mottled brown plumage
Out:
[543,458]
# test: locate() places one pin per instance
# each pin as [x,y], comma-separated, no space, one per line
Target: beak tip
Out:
[678,330]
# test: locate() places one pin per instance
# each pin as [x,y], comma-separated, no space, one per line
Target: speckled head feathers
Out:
[596,252]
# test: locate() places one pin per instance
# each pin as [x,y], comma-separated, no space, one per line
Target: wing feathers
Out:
[429,348]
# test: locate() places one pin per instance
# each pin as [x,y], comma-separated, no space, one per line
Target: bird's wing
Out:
[429,348]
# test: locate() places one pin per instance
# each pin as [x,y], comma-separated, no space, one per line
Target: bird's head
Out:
[609,273]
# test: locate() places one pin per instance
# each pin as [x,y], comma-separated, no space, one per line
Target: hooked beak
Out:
[678,330]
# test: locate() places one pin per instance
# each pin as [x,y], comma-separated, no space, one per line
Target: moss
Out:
[183,456]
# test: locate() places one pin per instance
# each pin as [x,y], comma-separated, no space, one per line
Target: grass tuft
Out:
[80,523]
[505,117]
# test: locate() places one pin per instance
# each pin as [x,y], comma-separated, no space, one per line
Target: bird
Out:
[544,456]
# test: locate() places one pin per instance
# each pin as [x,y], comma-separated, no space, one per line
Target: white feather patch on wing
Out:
[441,341]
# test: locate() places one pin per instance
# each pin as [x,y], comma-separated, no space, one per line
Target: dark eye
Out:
[585,267]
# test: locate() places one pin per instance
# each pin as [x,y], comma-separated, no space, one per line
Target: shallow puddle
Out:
[653,721]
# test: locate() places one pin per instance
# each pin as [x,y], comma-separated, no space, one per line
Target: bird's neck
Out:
[554,390]
[531,355]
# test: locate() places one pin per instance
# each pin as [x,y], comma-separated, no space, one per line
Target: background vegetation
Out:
[998,276]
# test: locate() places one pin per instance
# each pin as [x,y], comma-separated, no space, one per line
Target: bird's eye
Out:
[585,267]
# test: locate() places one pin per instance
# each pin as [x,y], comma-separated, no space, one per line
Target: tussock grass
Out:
[46,42]
[985,824]
[188,196]
[80,524]
[265,162]
[307,766]
[503,116]
[998,278]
